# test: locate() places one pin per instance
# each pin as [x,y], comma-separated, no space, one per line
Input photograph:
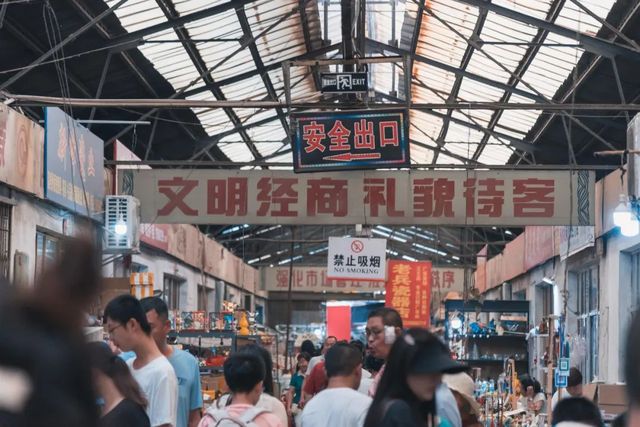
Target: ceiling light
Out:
[120,228]
[622,214]
[631,228]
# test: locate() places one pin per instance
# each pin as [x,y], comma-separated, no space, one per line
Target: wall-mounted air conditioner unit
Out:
[122,224]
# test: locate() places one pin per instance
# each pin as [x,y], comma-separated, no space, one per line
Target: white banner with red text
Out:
[314,279]
[500,198]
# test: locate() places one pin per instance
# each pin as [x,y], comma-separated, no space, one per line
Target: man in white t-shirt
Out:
[328,343]
[339,405]
[129,330]
[574,387]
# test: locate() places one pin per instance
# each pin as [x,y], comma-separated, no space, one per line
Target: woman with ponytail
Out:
[124,403]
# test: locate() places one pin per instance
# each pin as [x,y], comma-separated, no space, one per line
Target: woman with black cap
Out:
[406,394]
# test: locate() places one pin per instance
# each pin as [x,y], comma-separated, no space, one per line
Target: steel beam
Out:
[257,59]
[171,14]
[304,22]
[251,104]
[133,39]
[513,75]
[71,37]
[464,113]
[518,143]
[455,89]
[374,44]
[216,163]
[271,67]
[416,27]
[521,69]
[243,45]
[591,44]
[103,77]
[546,120]
[129,62]
[23,37]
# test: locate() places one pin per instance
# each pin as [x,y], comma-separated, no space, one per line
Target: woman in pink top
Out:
[244,374]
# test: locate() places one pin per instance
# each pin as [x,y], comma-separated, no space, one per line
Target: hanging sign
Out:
[560,381]
[409,291]
[350,140]
[314,279]
[493,198]
[575,239]
[73,171]
[343,82]
[357,259]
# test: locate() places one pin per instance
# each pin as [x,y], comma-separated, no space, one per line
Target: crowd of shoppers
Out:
[415,383]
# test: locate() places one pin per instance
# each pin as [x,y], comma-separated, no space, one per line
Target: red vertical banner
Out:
[409,291]
[339,321]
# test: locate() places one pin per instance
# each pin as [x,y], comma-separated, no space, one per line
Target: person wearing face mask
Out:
[384,326]
[406,393]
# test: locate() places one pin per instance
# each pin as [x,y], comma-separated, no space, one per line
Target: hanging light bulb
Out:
[120,227]
[631,228]
[622,214]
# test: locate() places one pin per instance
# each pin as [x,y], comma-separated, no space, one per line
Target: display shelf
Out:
[206,370]
[513,315]
[485,336]
[501,361]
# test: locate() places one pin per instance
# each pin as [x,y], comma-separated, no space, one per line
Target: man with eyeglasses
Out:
[384,325]
[129,329]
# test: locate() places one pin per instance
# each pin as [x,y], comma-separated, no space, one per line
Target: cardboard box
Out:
[610,398]
[111,288]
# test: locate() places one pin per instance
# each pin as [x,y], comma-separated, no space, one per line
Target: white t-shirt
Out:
[158,382]
[365,382]
[554,399]
[266,401]
[313,362]
[336,407]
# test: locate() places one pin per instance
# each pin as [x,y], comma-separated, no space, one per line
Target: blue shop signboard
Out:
[350,140]
[73,167]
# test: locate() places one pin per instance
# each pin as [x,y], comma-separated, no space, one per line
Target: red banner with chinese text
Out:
[409,291]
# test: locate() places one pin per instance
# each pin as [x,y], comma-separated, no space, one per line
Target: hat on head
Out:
[464,386]
[433,359]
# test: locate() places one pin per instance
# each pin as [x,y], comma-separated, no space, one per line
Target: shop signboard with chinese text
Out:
[409,291]
[314,279]
[73,172]
[350,140]
[357,259]
[343,82]
[574,239]
[21,151]
[494,198]
[156,235]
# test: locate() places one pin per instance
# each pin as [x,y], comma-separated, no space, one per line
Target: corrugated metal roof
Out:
[445,30]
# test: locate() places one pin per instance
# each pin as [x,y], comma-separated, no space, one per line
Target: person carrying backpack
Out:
[244,374]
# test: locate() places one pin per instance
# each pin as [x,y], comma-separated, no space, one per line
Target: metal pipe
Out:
[614,153]
[205,163]
[71,37]
[355,61]
[35,100]
[592,44]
